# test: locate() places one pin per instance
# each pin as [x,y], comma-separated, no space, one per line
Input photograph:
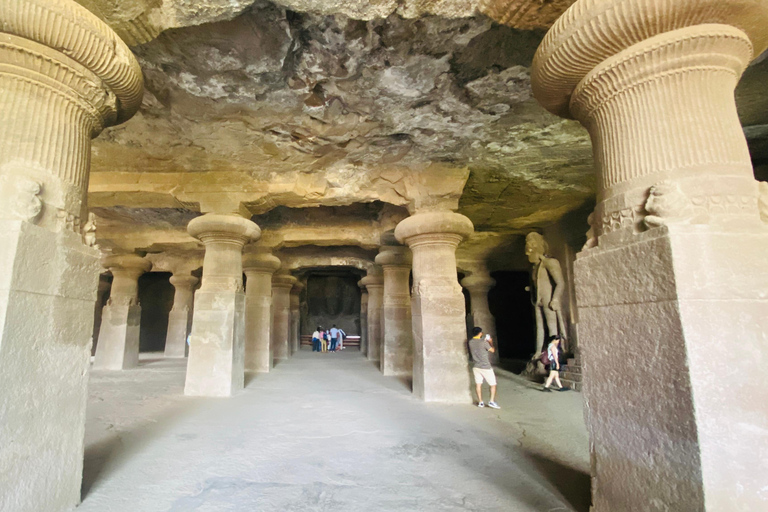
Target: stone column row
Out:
[673,282]
[259,353]
[64,76]
[180,317]
[396,349]
[440,363]
[118,346]
[217,344]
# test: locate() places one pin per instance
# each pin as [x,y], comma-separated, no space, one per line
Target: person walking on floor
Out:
[553,354]
[316,340]
[479,347]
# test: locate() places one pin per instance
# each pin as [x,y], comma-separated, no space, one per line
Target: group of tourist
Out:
[481,345]
[331,340]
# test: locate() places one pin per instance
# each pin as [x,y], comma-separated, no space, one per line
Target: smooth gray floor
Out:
[326,432]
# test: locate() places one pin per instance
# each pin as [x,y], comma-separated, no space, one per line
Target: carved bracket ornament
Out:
[666,204]
[23,197]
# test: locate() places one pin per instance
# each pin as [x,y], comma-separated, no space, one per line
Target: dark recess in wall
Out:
[510,304]
[156,300]
[333,297]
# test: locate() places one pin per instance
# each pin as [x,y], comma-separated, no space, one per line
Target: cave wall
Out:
[333,299]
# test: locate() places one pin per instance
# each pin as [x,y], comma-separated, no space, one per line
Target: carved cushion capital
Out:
[478,283]
[396,255]
[283,281]
[183,281]
[72,30]
[214,227]
[263,262]
[592,31]
[438,225]
[130,263]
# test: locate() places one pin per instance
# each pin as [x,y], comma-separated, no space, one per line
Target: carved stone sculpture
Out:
[546,289]
[89,231]
[666,202]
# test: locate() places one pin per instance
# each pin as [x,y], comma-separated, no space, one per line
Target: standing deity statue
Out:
[546,290]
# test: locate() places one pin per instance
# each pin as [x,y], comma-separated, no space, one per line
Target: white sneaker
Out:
[493,405]
[481,404]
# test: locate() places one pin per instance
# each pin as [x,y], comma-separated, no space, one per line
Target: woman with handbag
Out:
[553,355]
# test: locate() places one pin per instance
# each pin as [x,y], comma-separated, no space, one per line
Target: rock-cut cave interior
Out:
[385,255]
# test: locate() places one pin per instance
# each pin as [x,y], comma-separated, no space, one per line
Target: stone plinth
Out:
[296,316]
[363,318]
[258,270]
[217,343]
[180,317]
[674,279]
[478,285]
[440,359]
[281,314]
[397,344]
[64,76]
[374,284]
[118,346]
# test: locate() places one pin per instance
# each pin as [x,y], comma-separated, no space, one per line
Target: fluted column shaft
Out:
[64,76]
[281,301]
[180,317]
[374,284]
[258,270]
[118,346]
[397,342]
[440,357]
[478,285]
[216,362]
[675,271]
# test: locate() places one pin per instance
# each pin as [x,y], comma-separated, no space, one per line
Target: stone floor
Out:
[327,432]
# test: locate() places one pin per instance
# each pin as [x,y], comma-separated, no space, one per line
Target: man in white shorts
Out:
[479,347]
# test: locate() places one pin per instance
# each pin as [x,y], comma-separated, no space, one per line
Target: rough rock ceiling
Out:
[305,103]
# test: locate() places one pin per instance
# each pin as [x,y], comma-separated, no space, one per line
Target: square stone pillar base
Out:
[217,344]
[673,336]
[48,284]
[440,361]
[118,346]
[176,339]
[397,345]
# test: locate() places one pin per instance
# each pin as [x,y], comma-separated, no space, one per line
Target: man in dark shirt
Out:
[479,347]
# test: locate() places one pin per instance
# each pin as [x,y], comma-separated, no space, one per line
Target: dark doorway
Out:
[333,297]
[156,300]
[510,304]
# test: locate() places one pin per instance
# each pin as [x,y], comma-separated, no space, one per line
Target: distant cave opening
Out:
[156,299]
[332,297]
[510,304]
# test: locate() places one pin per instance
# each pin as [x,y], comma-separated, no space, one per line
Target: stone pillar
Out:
[281,314]
[397,343]
[118,346]
[374,283]
[363,318]
[478,284]
[258,269]
[217,343]
[672,285]
[64,76]
[180,317]
[295,302]
[440,360]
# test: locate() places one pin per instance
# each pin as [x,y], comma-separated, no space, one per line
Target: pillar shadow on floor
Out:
[572,484]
